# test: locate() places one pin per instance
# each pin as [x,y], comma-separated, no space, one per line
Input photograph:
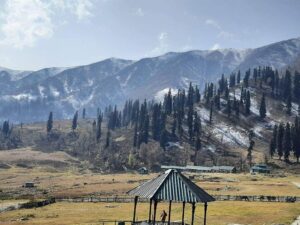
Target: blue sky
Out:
[45,33]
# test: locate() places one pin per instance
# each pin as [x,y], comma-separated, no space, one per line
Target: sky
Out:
[35,34]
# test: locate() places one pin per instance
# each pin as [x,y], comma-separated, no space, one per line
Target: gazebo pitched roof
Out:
[172,185]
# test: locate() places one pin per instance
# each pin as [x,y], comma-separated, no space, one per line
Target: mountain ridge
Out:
[113,80]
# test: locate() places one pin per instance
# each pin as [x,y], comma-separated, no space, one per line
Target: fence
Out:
[248,198]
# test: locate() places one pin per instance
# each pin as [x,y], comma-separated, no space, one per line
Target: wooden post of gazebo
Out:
[134,210]
[193,212]
[183,209]
[150,208]
[169,216]
[205,211]
[154,216]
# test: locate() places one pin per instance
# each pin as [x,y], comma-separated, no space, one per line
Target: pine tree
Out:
[174,125]
[74,122]
[5,128]
[296,139]
[287,88]
[163,139]
[211,112]
[238,79]
[135,136]
[247,103]
[217,101]
[146,129]
[287,142]
[197,94]
[250,148]
[50,122]
[296,85]
[280,135]
[98,129]
[107,142]
[155,122]
[228,108]
[272,147]
[197,125]
[262,108]
[236,107]
[83,113]
[246,78]
[190,122]
[289,105]
[198,144]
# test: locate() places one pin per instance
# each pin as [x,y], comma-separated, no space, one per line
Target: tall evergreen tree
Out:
[107,142]
[228,108]
[5,128]
[280,135]
[163,139]
[174,126]
[50,122]
[98,127]
[135,136]
[238,78]
[263,108]
[296,139]
[190,122]
[296,85]
[211,112]
[247,103]
[83,113]
[75,121]
[287,142]
[289,105]
[272,147]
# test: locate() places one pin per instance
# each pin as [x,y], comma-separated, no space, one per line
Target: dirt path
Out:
[297,221]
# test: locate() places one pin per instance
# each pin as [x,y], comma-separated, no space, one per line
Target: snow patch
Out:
[174,144]
[235,136]
[22,96]
[203,113]
[160,95]
[54,91]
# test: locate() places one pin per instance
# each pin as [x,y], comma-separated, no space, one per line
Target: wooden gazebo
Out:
[171,186]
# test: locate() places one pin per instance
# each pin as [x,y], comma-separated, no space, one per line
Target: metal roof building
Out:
[205,169]
[171,186]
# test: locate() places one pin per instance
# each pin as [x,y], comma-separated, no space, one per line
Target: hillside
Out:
[112,81]
[222,137]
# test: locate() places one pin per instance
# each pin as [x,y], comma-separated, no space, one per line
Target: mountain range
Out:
[28,96]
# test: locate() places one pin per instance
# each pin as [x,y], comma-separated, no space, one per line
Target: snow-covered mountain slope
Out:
[15,74]
[29,97]
[276,55]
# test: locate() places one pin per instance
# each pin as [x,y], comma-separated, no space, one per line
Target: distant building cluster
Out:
[203,169]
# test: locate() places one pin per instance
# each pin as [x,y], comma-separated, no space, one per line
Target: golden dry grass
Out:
[78,183]
[219,213]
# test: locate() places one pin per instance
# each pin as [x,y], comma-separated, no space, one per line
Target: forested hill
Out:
[248,118]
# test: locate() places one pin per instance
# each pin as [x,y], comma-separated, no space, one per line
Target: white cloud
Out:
[82,9]
[222,33]
[215,46]
[139,12]
[225,34]
[163,45]
[213,23]
[24,22]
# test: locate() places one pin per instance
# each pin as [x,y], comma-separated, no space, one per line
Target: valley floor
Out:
[219,213]
[60,175]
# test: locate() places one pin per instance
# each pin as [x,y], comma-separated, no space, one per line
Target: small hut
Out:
[171,186]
